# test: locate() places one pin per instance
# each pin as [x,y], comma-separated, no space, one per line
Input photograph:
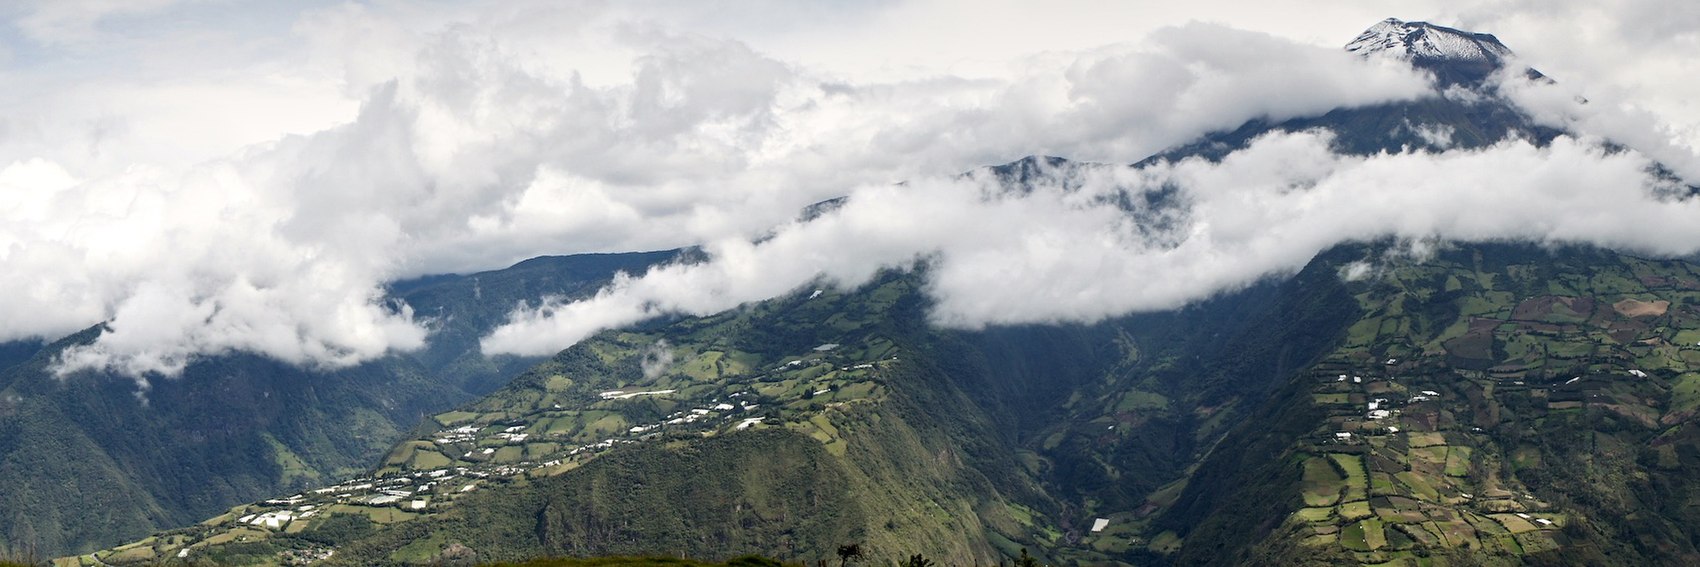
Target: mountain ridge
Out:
[1205,435]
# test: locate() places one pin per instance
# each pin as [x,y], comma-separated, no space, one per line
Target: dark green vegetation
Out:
[88,463]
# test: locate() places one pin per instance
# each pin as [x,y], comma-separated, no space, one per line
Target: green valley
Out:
[962,446]
[92,459]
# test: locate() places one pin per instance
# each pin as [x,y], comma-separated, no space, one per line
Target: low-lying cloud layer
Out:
[1067,252]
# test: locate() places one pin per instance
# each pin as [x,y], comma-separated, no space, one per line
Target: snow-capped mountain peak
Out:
[1455,57]
[1423,40]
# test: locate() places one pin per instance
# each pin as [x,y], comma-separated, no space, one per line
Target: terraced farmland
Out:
[1444,438]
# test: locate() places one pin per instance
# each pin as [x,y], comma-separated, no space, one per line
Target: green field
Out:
[1322,484]
[1458,461]
[1355,510]
[1357,480]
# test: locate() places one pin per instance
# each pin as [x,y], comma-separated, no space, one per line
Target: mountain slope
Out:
[964,446]
[1490,403]
[1500,402]
[833,407]
[95,464]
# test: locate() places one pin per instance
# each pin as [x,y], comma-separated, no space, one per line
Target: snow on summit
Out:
[1454,57]
[1422,40]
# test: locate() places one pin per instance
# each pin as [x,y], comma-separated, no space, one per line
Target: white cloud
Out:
[183,266]
[1564,106]
[1632,55]
[657,358]
[1066,252]
[478,143]
[231,185]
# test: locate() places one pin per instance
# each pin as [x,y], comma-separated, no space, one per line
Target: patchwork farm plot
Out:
[1426,401]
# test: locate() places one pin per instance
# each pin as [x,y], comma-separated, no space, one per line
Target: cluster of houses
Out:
[624,395]
[423,490]
[462,434]
[1384,408]
[513,434]
[1542,522]
[277,519]
[401,489]
[714,411]
[1379,408]
[408,492]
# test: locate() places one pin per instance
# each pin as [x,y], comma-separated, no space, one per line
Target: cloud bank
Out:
[487,140]
[1068,251]
[247,183]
